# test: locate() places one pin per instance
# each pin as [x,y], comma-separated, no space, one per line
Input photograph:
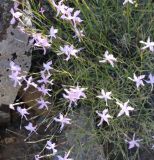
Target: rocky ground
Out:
[12,145]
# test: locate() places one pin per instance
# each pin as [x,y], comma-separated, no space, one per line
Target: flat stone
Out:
[13,47]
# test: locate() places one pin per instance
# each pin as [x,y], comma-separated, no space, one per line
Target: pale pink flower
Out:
[40,41]
[47,66]
[53,32]
[42,10]
[105,95]
[61,8]
[138,80]
[74,94]
[45,78]
[75,18]
[108,58]
[148,44]
[63,120]
[31,128]
[51,146]
[104,116]
[14,76]
[69,51]
[42,103]
[44,90]
[124,108]
[66,15]
[15,16]
[134,142]
[29,82]
[23,112]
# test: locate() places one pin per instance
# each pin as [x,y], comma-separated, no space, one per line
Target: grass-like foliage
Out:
[107,25]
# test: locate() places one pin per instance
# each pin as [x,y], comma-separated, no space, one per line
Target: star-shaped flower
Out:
[138,80]
[104,116]
[126,1]
[53,32]
[75,18]
[124,108]
[14,76]
[148,44]
[61,8]
[42,10]
[40,41]
[105,95]
[51,146]
[31,128]
[47,66]
[63,120]
[74,94]
[67,14]
[151,80]
[44,90]
[29,82]
[108,58]
[42,103]
[69,51]
[134,142]
[15,16]
[45,78]
[23,112]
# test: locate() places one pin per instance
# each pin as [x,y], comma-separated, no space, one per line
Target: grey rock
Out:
[13,47]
